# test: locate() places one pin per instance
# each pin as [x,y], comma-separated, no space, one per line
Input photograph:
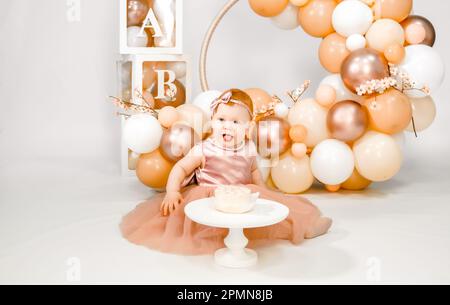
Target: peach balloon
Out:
[314,117]
[194,117]
[424,113]
[292,175]
[430,36]
[356,182]
[389,112]
[299,2]
[384,33]
[332,188]
[415,33]
[378,157]
[136,12]
[299,150]
[298,133]
[315,17]
[326,95]
[268,8]
[332,52]
[397,10]
[395,53]
[260,98]
[168,116]
[153,170]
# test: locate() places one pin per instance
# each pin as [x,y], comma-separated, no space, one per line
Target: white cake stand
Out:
[235,255]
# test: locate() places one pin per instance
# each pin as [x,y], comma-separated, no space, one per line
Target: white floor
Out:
[58,224]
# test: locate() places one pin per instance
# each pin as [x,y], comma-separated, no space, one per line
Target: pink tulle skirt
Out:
[177,234]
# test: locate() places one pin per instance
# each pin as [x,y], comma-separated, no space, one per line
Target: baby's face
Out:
[230,125]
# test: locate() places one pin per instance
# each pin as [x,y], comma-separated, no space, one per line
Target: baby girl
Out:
[227,157]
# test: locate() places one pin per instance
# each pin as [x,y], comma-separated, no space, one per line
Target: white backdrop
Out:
[55,73]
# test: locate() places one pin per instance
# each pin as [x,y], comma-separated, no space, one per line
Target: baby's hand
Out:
[171,201]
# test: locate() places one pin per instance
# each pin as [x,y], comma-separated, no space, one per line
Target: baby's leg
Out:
[319,228]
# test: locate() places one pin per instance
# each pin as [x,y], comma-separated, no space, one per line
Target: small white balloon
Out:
[135,40]
[425,67]
[352,17]
[178,67]
[342,93]
[288,19]
[332,162]
[142,133]
[281,110]
[204,100]
[356,42]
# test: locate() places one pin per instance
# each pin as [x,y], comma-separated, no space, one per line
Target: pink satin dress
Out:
[176,233]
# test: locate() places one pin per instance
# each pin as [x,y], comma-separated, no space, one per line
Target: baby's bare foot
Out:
[320,227]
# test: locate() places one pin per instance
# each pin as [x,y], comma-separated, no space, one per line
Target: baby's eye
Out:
[236,122]
[221,119]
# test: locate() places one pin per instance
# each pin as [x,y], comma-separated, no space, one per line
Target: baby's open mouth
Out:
[227,137]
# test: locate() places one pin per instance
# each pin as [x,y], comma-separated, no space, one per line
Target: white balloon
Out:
[288,19]
[125,74]
[342,93]
[142,133]
[314,117]
[178,67]
[400,138]
[352,17]
[332,162]
[134,40]
[204,100]
[425,67]
[356,42]
[281,110]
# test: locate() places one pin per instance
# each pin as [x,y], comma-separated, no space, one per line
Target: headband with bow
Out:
[225,99]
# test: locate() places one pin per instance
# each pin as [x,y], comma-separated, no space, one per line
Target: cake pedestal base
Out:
[235,255]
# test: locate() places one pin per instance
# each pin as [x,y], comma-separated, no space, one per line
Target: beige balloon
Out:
[424,113]
[314,117]
[384,33]
[194,117]
[292,175]
[378,157]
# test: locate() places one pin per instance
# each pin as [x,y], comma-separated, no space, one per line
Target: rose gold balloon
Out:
[272,137]
[315,17]
[137,11]
[390,112]
[430,36]
[397,10]
[178,100]
[153,170]
[395,53]
[332,52]
[347,121]
[362,66]
[177,141]
[268,8]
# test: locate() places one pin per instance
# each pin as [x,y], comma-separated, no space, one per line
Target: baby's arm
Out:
[178,174]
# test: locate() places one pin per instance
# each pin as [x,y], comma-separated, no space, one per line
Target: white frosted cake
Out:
[234,199]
